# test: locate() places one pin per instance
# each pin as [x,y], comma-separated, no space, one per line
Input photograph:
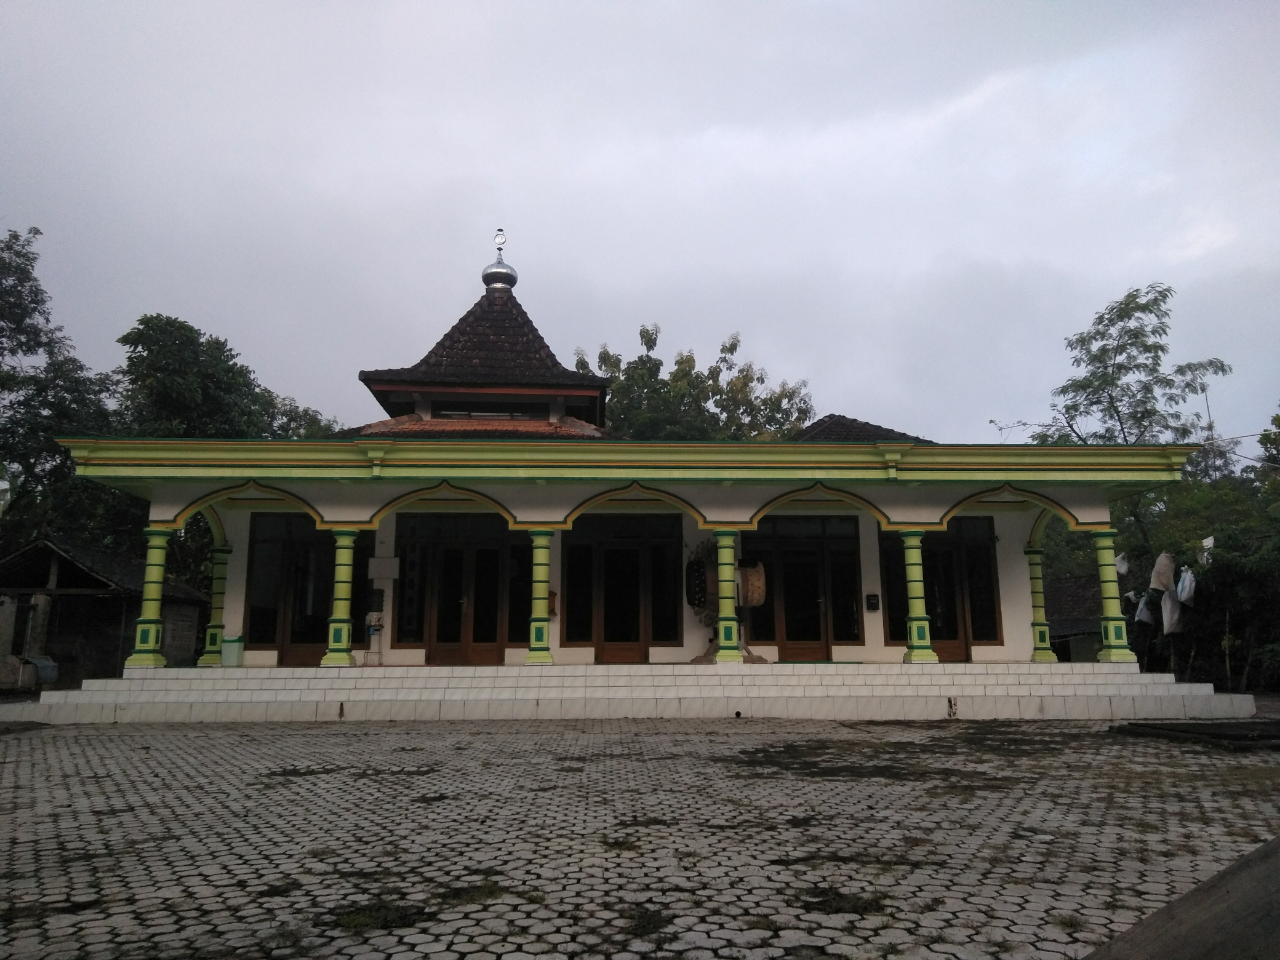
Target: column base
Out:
[729,656]
[538,656]
[1117,655]
[338,658]
[919,656]
[210,660]
[1044,656]
[146,660]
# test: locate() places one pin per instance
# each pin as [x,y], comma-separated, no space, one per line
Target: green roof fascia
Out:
[115,460]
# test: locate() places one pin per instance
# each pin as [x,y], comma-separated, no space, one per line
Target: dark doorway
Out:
[622,587]
[961,588]
[812,585]
[289,598]
[465,587]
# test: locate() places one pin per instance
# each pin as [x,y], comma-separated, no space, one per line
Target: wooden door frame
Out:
[466,646]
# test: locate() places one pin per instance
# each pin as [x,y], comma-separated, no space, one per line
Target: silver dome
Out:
[499,274]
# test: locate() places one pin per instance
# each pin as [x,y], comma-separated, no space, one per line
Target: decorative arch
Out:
[1048,503]
[1037,529]
[844,495]
[216,526]
[446,487]
[634,487]
[205,503]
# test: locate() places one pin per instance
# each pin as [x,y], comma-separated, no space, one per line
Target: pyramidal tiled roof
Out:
[834,428]
[494,344]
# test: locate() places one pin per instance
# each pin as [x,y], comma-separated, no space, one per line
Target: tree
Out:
[180,382]
[45,392]
[1124,394]
[1269,440]
[727,401]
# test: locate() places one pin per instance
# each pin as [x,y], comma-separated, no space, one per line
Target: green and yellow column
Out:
[539,616]
[217,593]
[146,641]
[919,646]
[1041,651]
[339,653]
[1115,638]
[727,648]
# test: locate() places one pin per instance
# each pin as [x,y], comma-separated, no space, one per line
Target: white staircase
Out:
[818,691]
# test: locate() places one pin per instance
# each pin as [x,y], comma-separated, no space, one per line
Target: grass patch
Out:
[320,852]
[282,889]
[646,921]
[619,843]
[380,915]
[829,900]
[304,771]
[417,772]
[483,892]
[1068,922]
[431,798]
[645,822]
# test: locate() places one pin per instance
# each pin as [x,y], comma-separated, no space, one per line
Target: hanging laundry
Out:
[1187,587]
[1132,596]
[1122,564]
[1162,573]
[1171,612]
[1144,611]
[1202,555]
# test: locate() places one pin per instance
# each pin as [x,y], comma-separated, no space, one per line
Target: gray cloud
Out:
[908,204]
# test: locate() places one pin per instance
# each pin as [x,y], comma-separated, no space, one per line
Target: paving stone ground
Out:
[626,839]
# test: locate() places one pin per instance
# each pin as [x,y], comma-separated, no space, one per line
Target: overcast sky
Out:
[910,205]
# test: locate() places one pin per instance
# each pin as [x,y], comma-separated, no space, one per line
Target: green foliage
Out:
[727,401]
[179,382]
[176,382]
[1124,394]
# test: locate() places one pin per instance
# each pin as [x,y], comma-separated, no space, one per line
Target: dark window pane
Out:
[844,596]
[264,587]
[312,587]
[893,582]
[940,593]
[361,587]
[980,571]
[450,596]
[485,590]
[621,596]
[802,596]
[520,594]
[665,589]
[412,592]
[579,594]
[762,624]
[798,527]
[842,527]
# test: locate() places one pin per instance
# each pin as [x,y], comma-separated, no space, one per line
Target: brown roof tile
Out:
[493,344]
[414,427]
[833,428]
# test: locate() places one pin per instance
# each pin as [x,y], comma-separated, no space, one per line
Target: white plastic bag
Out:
[1187,587]
[1144,612]
[1162,573]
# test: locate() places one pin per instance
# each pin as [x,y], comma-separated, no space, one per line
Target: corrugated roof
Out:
[493,344]
[833,428]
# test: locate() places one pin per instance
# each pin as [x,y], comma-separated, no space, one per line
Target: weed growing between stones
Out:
[380,915]
[482,892]
[619,844]
[829,900]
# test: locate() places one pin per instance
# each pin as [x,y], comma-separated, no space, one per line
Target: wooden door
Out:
[464,606]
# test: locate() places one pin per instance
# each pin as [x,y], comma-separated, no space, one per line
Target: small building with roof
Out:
[488,525]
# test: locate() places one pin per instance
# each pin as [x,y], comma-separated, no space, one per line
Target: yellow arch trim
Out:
[249,486]
[216,525]
[444,486]
[633,487]
[1049,504]
[845,495]
[1037,529]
